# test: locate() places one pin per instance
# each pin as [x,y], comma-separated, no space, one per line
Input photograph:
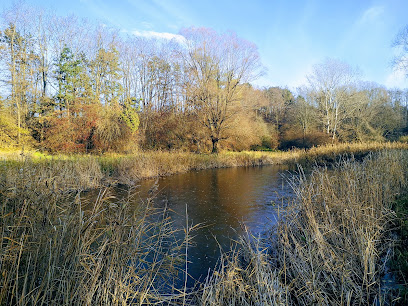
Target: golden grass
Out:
[327,154]
[59,249]
[151,164]
[244,276]
[128,169]
[334,238]
[57,175]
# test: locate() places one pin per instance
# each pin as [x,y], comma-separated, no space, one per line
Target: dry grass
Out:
[131,168]
[329,153]
[59,249]
[55,174]
[151,164]
[90,171]
[334,239]
[244,276]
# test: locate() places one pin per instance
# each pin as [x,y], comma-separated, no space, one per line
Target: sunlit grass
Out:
[127,169]
[58,248]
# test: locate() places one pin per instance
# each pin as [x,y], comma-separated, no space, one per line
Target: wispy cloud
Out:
[160,35]
[178,10]
[396,78]
[371,14]
[147,25]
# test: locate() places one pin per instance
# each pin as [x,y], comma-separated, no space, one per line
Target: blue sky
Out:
[291,36]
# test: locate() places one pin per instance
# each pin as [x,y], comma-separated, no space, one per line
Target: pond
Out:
[222,201]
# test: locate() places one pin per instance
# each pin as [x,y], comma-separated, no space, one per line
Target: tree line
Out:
[69,85]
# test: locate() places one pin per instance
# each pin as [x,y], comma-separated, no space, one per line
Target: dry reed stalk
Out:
[57,249]
[328,247]
[127,169]
[334,237]
[243,277]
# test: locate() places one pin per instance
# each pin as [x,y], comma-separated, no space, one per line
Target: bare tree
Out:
[216,66]
[305,111]
[330,82]
[401,43]
[279,100]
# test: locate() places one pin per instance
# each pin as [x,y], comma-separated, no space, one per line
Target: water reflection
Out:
[222,200]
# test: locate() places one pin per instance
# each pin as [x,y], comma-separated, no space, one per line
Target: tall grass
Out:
[90,171]
[131,168]
[59,249]
[335,239]
[331,246]
[244,276]
[51,174]
[399,262]
[329,153]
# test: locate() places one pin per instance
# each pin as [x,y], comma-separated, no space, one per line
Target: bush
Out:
[296,140]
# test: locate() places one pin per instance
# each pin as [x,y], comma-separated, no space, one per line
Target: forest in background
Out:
[69,85]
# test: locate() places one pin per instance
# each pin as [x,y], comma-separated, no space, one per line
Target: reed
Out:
[244,276]
[131,168]
[56,174]
[334,239]
[329,153]
[57,248]
[399,261]
[87,171]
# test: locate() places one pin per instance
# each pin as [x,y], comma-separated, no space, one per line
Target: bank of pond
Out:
[276,234]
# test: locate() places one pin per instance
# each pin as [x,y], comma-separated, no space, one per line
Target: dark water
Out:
[222,200]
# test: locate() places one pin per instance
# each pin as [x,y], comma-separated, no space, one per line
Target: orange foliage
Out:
[72,132]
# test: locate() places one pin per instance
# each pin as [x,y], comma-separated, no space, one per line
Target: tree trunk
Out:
[214,145]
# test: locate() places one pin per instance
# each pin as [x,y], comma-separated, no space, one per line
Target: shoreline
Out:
[82,172]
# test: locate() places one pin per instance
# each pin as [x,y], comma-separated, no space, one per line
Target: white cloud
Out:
[147,25]
[371,14]
[396,78]
[160,35]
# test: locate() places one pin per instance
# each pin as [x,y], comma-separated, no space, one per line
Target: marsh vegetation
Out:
[331,245]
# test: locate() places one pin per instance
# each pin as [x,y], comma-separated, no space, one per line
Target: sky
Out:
[291,36]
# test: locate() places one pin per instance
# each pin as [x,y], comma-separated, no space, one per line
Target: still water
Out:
[222,201]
